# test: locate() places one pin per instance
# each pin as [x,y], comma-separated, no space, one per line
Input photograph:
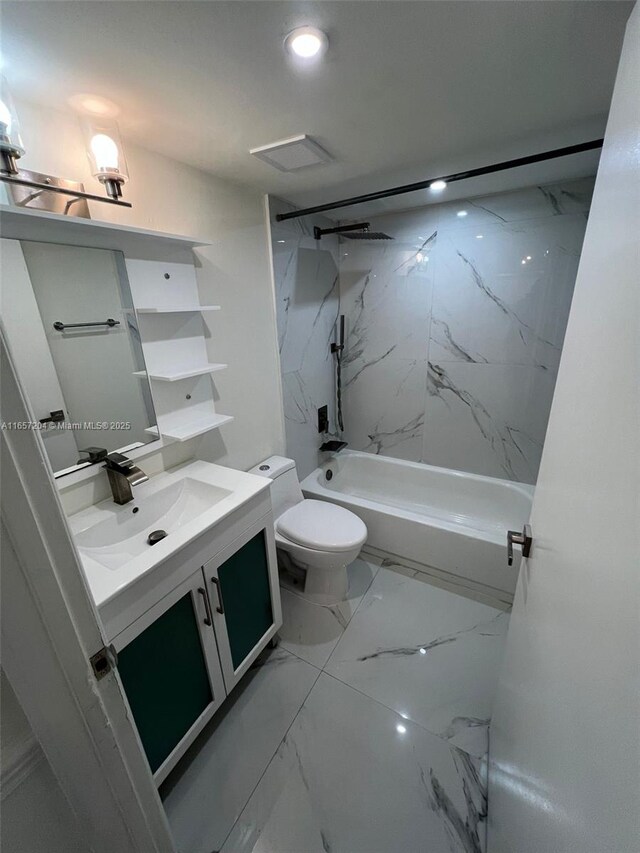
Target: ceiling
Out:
[407,90]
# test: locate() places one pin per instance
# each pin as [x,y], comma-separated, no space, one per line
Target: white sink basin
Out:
[118,539]
[185,502]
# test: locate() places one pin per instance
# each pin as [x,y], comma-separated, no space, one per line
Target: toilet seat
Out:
[322,526]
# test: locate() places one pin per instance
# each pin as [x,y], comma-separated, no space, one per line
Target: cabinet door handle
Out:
[220,607]
[208,620]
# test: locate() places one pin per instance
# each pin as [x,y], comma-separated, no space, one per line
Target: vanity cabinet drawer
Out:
[169,666]
[245,596]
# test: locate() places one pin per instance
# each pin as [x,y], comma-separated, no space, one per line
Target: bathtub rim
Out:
[313,485]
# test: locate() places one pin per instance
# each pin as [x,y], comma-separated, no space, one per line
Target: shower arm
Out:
[319,233]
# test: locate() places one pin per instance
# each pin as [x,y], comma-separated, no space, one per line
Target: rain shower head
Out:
[368,235]
[359,231]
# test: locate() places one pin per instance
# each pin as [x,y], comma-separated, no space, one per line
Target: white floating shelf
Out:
[188,425]
[179,309]
[19,223]
[180,372]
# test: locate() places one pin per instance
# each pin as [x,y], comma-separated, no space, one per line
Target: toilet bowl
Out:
[316,540]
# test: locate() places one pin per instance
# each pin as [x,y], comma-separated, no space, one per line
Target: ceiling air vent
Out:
[289,155]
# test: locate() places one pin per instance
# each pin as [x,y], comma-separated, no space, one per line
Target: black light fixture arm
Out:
[23,182]
[449,179]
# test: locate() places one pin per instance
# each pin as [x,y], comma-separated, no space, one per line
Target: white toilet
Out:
[317,539]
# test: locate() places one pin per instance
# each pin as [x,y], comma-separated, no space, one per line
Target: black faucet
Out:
[96,454]
[122,475]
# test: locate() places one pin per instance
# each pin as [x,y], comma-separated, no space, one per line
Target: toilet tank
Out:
[285,488]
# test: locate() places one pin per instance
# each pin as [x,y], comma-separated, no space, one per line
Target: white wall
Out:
[36,817]
[234,272]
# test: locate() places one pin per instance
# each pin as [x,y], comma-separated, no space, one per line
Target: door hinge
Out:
[104,661]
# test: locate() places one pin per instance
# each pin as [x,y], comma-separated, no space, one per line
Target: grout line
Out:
[284,648]
[406,719]
[320,672]
[362,598]
[268,764]
[375,569]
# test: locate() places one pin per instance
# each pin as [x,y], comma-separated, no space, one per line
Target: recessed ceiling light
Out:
[479,236]
[95,105]
[401,729]
[438,185]
[461,213]
[306,42]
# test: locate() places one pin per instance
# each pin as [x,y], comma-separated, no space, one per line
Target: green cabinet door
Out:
[241,589]
[166,672]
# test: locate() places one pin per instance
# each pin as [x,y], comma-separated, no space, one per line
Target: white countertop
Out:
[105,583]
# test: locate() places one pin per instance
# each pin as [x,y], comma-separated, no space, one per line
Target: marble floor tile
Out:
[311,631]
[208,789]
[352,776]
[426,653]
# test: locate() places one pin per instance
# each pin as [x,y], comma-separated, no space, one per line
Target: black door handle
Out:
[55,417]
[523,539]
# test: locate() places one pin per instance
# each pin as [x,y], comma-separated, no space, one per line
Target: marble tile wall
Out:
[307,306]
[455,329]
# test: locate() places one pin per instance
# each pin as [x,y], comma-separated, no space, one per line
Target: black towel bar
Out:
[60,327]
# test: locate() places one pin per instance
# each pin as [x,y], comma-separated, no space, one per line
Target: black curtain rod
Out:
[459,176]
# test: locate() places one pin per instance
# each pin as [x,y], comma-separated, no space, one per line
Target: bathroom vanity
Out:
[188,615]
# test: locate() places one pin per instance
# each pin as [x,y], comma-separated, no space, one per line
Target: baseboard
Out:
[20,766]
[444,580]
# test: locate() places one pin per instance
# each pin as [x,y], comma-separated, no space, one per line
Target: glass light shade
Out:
[10,140]
[104,149]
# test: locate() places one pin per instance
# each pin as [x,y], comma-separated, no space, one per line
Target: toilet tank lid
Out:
[273,467]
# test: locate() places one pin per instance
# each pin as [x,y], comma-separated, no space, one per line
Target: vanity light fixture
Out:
[106,155]
[105,152]
[306,42]
[11,148]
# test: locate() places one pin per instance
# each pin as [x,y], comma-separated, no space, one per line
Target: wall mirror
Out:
[69,319]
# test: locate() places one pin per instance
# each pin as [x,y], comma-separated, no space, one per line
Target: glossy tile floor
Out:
[364,732]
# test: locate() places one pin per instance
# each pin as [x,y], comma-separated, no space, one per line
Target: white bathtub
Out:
[449,524]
